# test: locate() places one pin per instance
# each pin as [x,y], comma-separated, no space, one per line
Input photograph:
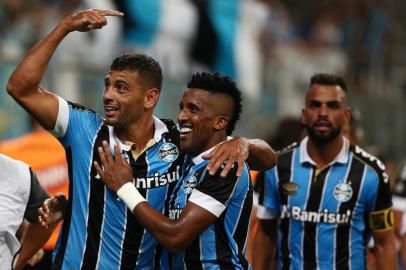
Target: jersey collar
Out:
[160,129]
[342,156]
[199,158]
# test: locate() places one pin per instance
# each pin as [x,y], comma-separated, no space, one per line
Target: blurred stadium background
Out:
[271,47]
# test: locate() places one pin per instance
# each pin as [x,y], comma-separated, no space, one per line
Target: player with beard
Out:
[325,197]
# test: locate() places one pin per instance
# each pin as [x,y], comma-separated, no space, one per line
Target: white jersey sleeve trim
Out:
[266,213]
[62,120]
[209,203]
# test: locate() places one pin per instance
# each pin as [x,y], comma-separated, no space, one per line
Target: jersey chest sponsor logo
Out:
[168,152]
[342,192]
[157,179]
[174,213]
[190,184]
[316,217]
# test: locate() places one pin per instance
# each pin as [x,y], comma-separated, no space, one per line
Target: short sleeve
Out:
[381,215]
[37,197]
[269,206]
[62,120]
[76,124]
[214,191]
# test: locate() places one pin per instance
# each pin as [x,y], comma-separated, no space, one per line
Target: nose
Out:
[323,111]
[182,116]
[108,94]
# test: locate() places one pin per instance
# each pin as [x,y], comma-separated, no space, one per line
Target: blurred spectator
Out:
[46,157]
[312,46]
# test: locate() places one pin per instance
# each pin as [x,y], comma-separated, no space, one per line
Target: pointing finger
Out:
[108,12]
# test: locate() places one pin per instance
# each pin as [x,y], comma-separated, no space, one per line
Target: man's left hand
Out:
[228,153]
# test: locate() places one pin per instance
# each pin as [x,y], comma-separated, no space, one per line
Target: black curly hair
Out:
[217,83]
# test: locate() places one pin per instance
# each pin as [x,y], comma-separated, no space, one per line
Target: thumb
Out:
[60,196]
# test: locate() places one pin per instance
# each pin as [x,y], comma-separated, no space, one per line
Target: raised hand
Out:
[114,171]
[233,151]
[53,210]
[89,19]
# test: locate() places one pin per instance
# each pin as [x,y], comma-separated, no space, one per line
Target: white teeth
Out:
[185,129]
[111,109]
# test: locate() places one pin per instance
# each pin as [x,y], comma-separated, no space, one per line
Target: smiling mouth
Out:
[185,131]
[110,111]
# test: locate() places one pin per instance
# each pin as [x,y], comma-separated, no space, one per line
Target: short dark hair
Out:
[217,83]
[145,65]
[328,79]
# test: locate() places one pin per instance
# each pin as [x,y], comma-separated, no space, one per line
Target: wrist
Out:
[64,28]
[129,194]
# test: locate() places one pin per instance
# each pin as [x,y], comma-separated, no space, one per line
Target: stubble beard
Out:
[323,138]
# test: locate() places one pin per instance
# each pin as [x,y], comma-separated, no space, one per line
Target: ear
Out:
[151,98]
[347,114]
[302,117]
[221,122]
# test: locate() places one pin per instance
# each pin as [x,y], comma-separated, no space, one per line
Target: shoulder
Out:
[285,155]
[173,131]
[288,149]
[15,172]
[9,163]
[171,126]
[79,107]
[82,115]
[370,161]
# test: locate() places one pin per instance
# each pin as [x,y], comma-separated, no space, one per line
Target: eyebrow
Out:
[330,102]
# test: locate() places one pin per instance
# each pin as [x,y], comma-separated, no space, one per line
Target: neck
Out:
[214,140]
[324,153]
[139,132]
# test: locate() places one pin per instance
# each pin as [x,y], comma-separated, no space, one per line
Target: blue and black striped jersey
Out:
[327,215]
[98,231]
[222,244]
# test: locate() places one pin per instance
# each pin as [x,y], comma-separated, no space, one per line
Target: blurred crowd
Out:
[355,38]
[270,47]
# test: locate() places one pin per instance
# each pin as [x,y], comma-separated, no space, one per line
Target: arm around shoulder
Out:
[261,156]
